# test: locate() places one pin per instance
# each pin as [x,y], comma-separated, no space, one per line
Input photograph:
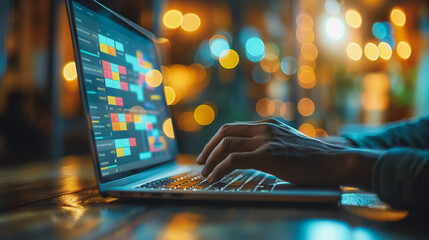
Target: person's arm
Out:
[278,149]
[401,178]
[411,134]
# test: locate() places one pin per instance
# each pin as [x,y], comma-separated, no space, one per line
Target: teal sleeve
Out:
[412,134]
[401,178]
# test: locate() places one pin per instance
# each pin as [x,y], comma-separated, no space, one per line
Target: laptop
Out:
[131,131]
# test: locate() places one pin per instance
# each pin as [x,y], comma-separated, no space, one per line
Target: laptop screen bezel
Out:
[109,14]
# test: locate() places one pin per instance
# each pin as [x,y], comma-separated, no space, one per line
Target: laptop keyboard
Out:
[239,180]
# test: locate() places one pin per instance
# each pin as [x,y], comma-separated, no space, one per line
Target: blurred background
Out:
[324,67]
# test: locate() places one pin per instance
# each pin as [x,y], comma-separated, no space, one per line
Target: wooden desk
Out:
[60,201]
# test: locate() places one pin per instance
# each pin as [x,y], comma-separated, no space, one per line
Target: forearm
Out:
[336,140]
[349,166]
[358,165]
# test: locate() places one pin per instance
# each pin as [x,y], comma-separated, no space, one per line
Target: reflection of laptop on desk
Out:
[131,131]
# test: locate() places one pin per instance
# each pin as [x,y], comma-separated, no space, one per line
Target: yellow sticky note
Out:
[123,126]
[151,140]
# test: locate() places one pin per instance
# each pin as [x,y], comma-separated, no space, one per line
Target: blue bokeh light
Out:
[379,30]
[203,56]
[289,65]
[391,41]
[217,46]
[246,33]
[255,49]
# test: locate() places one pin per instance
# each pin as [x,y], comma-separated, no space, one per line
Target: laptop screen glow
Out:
[124,93]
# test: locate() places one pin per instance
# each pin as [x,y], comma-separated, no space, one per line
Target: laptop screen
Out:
[120,81]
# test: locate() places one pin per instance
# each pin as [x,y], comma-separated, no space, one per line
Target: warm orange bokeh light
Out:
[265,107]
[309,51]
[187,122]
[376,89]
[270,63]
[404,50]
[167,127]
[307,129]
[191,22]
[306,107]
[385,50]
[69,71]
[154,78]
[304,21]
[304,35]
[397,17]
[321,133]
[173,19]
[354,51]
[371,51]
[170,95]
[229,59]
[204,114]
[353,18]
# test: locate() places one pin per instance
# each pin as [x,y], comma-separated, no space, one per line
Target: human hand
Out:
[275,148]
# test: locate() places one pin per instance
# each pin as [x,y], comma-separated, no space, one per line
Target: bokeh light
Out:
[255,49]
[353,18]
[309,52]
[190,22]
[229,59]
[170,95]
[289,65]
[304,35]
[265,107]
[246,33]
[187,123]
[153,78]
[385,50]
[304,21]
[332,7]
[321,133]
[306,107]
[204,114]
[289,114]
[167,127]
[172,19]
[270,63]
[203,55]
[218,45]
[259,75]
[376,89]
[397,17]
[272,51]
[307,129]
[306,77]
[379,30]
[404,50]
[69,71]
[371,51]
[335,28]
[354,51]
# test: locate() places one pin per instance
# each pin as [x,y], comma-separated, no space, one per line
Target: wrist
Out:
[357,165]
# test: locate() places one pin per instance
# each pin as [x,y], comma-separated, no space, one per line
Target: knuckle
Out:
[225,142]
[267,149]
[232,159]
[224,129]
